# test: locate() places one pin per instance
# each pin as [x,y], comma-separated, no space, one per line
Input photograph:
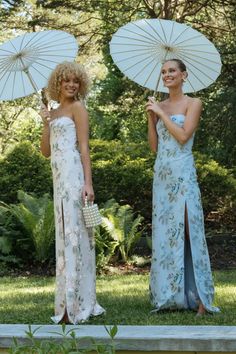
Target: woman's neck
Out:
[64,102]
[176,95]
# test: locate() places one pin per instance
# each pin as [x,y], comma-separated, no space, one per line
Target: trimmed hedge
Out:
[120,171]
[125,171]
[24,168]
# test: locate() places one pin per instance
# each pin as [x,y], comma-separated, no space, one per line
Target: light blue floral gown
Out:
[180,271]
[75,250]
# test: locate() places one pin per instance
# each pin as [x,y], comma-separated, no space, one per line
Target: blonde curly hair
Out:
[62,72]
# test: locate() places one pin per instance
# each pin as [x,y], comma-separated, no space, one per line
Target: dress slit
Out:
[62,218]
[64,312]
[191,293]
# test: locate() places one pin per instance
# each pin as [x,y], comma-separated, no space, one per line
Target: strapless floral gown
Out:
[180,272]
[75,249]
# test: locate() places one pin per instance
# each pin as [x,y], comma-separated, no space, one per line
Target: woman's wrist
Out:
[89,185]
[46,126]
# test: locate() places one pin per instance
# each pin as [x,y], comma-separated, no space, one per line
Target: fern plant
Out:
[37,217]
[122,226]
[105,247]
[10,237]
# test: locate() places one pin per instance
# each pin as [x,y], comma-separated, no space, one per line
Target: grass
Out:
[125,297]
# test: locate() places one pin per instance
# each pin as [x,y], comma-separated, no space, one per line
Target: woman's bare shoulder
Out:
[194,101]
[194,107]
[78,106]
[79,110]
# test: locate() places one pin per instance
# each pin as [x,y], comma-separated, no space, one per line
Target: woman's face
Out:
[172,76]
[69,87]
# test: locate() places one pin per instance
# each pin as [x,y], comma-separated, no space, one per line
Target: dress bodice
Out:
[168,146]
[62,135]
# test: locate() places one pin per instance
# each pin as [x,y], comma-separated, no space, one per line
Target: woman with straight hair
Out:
[181,276]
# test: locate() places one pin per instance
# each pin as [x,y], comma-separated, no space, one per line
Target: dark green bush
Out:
[23,168]
[36,215]
[120,171]
[13,245]
[124,172]
[217,184]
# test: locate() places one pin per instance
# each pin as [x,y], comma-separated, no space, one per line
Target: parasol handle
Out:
[26,71]
[33,85]
[159,77]
[155,93]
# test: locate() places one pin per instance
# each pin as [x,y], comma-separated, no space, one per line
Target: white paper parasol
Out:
[139,49]
[27,61]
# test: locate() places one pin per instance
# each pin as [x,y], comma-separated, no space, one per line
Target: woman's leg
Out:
[65,318]
[201,308]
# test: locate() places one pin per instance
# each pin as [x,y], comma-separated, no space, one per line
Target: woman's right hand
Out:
[45,114]
[151,115]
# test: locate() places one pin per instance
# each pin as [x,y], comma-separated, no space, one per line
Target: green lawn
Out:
[125,297]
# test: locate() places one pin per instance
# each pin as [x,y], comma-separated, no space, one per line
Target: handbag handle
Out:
[86,202]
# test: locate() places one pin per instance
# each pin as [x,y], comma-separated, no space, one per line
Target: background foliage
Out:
[122,162]
[116,104]
[120,171]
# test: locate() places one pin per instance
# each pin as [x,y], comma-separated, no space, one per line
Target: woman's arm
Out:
[81,119]
[45,139]
[181,134]
[152,133]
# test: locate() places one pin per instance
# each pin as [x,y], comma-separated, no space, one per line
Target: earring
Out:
[184,80]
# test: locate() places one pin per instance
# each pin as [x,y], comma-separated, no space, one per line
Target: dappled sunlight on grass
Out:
[125,298]
[16,292]
[226,296]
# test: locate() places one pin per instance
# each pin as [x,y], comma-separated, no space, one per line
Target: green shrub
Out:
[23,168]
[37,218]
[14,245]
[125,171]
[105,248]
[122,227]
[217,184]
[120,171]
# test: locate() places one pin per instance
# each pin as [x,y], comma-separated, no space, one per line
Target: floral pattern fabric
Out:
[180,272]
[75,249]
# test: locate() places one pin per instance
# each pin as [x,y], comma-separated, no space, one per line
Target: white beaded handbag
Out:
[92,216]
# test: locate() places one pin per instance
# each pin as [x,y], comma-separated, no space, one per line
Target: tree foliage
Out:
[116,104]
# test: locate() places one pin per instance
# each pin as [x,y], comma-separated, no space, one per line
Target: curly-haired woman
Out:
[65,138]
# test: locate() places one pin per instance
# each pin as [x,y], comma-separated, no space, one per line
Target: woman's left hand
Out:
[45,114]
[154,106]
[88,192]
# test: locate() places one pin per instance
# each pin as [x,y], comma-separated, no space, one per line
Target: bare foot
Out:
[201,310]
[65,319]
